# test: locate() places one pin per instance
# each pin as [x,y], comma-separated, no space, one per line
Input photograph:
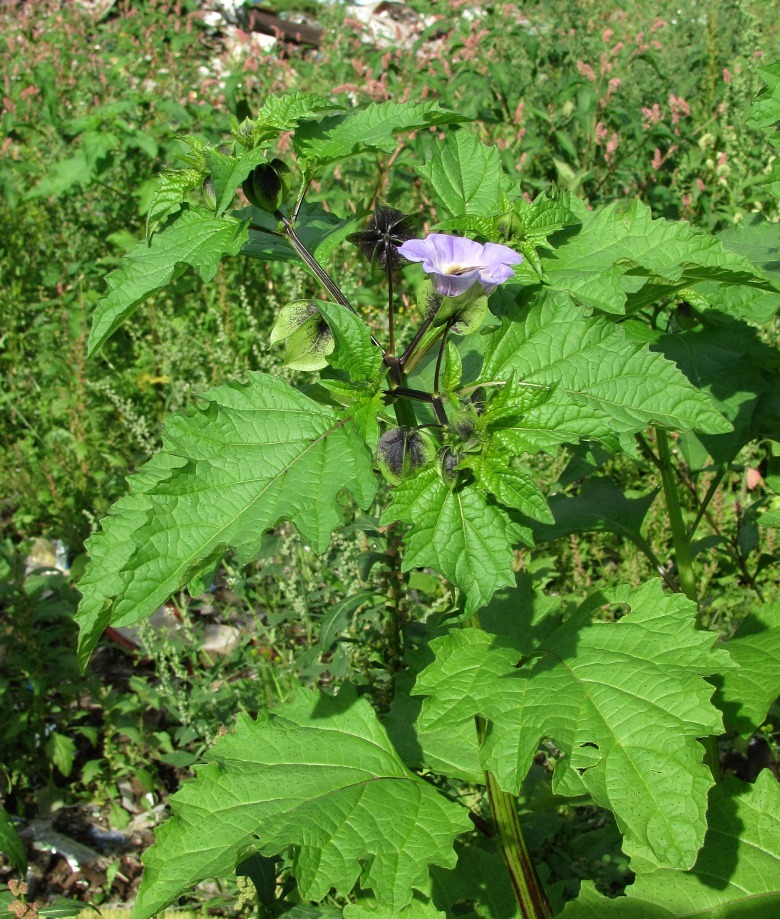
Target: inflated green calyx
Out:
[400,452]
[307,338]
[265,186]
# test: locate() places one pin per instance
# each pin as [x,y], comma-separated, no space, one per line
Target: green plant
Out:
[625,337]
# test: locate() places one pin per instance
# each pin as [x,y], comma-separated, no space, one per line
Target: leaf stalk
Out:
[682,547]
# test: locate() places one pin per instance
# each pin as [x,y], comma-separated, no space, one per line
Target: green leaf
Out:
[727,359]
[756,239]
[10,844]
[744,695]
[63,908]
[453,367]
[111,549]
[605,381]
[372,128]
[228,172]
[246,457]
[317,774]
[481,880]
[61,750]
[335,620]
[417,909]
[624,701]
[466,175]
[354,351]
[459,533]
[453,751]
[623,259]
[592,905]
[195,238]
[510,423]
[599,507]
[509,485]
[169,195]
[284,112]
[320,231]
[546,215]
[736,872]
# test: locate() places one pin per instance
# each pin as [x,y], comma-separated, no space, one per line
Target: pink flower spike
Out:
[457,263]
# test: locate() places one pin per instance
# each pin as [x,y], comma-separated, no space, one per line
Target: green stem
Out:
[405,414]
[528,889]
[705,503]
[529,892]
[682,548]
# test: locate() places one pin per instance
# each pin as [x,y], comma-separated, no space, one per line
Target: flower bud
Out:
[448,465]
[510,226]
[209,193]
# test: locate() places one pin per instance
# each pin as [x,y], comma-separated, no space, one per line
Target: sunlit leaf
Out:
[318,774]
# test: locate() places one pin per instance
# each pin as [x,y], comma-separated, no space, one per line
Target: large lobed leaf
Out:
[624,702]
[196,238]
[283,112]
[622,258]
[372,128]
[459,532]
[735,876]
[605,381]
[232,467]
[318,774]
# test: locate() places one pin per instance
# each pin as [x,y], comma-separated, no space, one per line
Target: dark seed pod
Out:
[264,188]
[384,233]
[402,451]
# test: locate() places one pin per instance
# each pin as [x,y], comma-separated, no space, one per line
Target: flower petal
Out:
[495,254]
[453,285]
[416,250]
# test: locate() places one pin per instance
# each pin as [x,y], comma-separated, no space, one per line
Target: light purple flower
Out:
[457,263]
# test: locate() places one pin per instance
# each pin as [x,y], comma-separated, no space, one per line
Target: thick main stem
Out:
[529,892]
[528,889]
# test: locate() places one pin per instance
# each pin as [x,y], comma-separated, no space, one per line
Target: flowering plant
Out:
[357,799]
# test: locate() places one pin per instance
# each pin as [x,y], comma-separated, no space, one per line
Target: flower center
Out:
[463,269]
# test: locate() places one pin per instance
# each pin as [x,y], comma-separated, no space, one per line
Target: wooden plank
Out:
[267,22]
